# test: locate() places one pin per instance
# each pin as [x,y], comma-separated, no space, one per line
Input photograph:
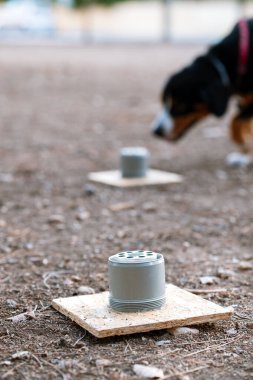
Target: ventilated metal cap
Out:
[136,281]
[134,162]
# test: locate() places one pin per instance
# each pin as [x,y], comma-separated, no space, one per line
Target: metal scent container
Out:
[136,281]
[134,162]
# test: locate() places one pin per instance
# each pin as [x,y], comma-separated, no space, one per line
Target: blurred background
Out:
[120,20]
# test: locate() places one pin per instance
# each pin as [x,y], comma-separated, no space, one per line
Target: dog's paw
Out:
[236,159]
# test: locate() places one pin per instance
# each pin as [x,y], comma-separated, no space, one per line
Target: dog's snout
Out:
[163,124]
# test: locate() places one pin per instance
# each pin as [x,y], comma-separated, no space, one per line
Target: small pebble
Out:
[11,303]
[82,215]
[149,207]
[67,363]
[149,372]
[232,331]
[249,325]
[5,249]
[6,178]
[28,246]
[244,265]
[248,257]
[21,355]
[85,290]
[162,342]
[121,234]
[89,189]
[238,350]
[56,219]
[208,280]
[224,273]
[183,331]
[186,244]
[45,261]
[75,278]
[6,362]
[2,223]
[103,363]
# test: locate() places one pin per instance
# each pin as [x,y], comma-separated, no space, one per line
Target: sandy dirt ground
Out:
[66,111]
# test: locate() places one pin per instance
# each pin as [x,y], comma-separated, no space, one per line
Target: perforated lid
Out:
[136,257]
[134,151]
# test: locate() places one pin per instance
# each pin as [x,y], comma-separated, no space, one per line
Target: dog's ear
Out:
[166,91]
[216,97]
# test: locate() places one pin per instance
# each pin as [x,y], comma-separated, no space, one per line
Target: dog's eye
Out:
[180,109]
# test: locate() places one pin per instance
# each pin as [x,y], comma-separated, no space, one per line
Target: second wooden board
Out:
[154,177]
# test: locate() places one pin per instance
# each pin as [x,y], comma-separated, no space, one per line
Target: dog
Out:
[206,86]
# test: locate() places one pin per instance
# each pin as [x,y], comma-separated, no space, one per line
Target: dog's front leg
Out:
[241,132]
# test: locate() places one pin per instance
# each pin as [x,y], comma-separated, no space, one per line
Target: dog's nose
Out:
[162,125]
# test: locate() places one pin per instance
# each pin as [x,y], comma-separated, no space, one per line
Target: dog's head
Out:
[188,97]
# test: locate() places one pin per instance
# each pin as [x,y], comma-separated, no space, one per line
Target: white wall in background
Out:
[209,20]
[189,20]
[128,21]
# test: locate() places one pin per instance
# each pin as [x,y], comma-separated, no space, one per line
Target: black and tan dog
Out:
[205,87]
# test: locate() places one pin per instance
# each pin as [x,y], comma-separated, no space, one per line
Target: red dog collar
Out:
[244,43]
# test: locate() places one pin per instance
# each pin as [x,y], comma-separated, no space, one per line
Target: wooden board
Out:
[181,309]
[154,177]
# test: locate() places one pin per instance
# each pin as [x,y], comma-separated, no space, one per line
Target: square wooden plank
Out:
[182,308]
[154,177]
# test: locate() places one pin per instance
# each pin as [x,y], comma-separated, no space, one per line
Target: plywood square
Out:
[181,309]
[154,177]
